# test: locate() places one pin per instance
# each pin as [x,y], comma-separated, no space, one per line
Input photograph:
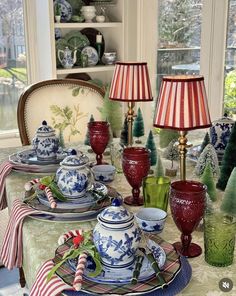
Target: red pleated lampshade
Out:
[182,103]
[131,83]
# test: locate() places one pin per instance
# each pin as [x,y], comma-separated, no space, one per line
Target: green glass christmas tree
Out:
[124,134]
[166,136]
[138,128]
[150,144]
[159,171]
[111,111]
[229,160]
[229,201]
[207,178]
[87,141]
[205,142]
[207,156]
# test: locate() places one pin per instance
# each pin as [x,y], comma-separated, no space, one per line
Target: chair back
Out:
[66,105]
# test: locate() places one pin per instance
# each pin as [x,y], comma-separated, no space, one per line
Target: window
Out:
[13,76]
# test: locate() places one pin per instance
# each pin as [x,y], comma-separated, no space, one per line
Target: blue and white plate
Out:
[66,10]
[94,196]
[58,33]
[29,156]
[124,275]
[92,55]
[74,217]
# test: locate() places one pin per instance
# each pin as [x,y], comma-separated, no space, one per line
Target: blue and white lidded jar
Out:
[220,133]
[116,236]
[74,177]
[45,142]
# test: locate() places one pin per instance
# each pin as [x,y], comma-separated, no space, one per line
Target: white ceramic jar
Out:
[88,12]
[45,142]
[116,236]
[74,177]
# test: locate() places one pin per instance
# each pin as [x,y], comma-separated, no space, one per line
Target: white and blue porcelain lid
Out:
[75,159]
[223,120]
[116,213]
[45,129]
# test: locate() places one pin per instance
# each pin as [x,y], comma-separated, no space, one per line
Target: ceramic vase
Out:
[136,165]
[45,143]
[74,177]
[116,236]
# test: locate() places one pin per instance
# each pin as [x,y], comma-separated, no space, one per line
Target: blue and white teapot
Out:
[45,142]
[74,177]
[68,57]
[116,236]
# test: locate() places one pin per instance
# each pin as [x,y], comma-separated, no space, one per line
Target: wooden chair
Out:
[66,105]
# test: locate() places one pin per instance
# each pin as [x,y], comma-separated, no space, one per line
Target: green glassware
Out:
[219,239]
[156,192]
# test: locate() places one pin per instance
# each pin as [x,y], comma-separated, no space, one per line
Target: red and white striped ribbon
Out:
[5,169]
[42,287]
[50,197]
[77,283]
[28,186]
[11,252]
[71,233]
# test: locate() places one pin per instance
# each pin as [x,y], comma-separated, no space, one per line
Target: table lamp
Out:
[130,83]
[182,105]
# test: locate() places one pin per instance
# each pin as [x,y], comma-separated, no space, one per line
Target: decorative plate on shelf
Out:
[91,34]
[76,6]
[66,10]
[92,55]
[76,40]
[58,34]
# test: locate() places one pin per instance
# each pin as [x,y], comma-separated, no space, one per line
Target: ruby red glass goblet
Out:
[99,138]
[187,204]
[136,165]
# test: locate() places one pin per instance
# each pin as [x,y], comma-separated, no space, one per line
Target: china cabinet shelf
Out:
[87,69]
[87,25]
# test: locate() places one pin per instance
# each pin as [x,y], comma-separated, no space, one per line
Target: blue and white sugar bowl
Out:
[116,236]
[45,142]
[74,177]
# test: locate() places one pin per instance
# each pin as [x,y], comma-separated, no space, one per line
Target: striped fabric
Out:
[11,252]
[182,103]
[131,82]
[5,169]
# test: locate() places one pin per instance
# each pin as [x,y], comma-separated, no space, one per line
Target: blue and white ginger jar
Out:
[45,142]
[74,177]
[116,236]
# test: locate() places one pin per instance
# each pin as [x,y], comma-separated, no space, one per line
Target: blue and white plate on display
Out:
[29,156]
[94,196]
[92,55]
[66,10]
[122,275]
[58,34]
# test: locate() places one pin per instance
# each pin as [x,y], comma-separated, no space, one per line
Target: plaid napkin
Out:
[5,169]
[11,252]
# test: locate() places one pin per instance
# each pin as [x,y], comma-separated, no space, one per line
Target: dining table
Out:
[40,237]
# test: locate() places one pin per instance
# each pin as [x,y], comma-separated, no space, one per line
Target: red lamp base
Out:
[131,201]
[192,251]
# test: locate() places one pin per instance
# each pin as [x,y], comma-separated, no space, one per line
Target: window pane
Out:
[230,63]
[12,61]
[179,35]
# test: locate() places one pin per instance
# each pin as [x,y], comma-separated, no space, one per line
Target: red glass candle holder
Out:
[136,165]
[187,204]
[99,138]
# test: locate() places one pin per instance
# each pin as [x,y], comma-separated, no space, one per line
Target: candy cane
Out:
[28,186]
[71,233]
[77,283]
[51,200]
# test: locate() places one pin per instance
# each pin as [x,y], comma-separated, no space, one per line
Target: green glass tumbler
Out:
[156,192]
[219,239]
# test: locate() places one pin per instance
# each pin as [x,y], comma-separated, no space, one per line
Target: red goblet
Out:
[99,137]
[136,165]
[187,204]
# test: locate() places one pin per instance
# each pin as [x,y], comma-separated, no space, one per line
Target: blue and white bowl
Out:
[151,219]
[104,173]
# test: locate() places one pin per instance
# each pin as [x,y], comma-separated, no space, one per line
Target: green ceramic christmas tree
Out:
[207,178]
[205,142]
[138,128]
[124,133]
[229,160]
[111,111]
[166,136]
[150,144]
[229,201]
[87,141]
[207,156]
[159,171]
